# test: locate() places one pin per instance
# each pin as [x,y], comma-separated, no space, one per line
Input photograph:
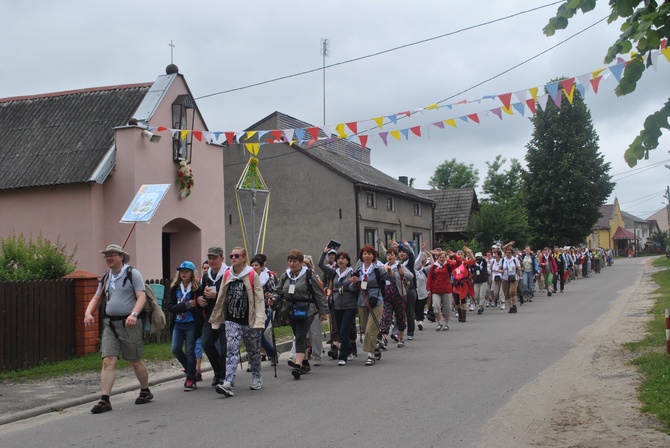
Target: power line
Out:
[655,165]
[306,72]
[643,197]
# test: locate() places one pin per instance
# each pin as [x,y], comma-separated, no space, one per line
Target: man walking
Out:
[121,296]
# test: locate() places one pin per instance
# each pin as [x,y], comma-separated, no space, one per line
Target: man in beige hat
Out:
[122,290]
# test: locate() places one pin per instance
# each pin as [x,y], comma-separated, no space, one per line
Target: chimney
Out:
[404,180]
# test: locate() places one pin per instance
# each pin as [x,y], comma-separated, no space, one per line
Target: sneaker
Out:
[382,344]
[395,337]
[350,357]
[445,327]
[189,385]
[370,361]
[439,327]
[216,381]
[502,307]
[410,338]
[198,376]
[256,383]
[102,406]
[471,307]
[341,362]
[401,343]
[296,372]
[317,362]
[480,310]
[420,326]
[226,389]
[333,353]
[549,293]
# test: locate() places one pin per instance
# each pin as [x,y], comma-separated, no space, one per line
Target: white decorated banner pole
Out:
[667,331]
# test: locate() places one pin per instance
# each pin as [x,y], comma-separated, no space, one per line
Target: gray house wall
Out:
[309,203]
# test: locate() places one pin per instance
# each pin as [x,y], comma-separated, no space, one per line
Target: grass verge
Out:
[652,360]
[91,363]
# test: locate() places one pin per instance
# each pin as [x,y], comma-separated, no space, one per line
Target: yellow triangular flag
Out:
[379,121]
[570,95]
[250,134]
[450,122]
[432,106]
[533,93]
[340,130]
[395,135]
[183,134]
[666,52]
[253,148]
[596,73]
[508,110]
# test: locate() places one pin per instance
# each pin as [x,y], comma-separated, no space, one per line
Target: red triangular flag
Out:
[416,130]
[595,82]
[314,132]
[474,117]
[530,102]
[506,99]
[354,127]
[229,137]
[363,139]
[161,129]
[197,135]
[277,135]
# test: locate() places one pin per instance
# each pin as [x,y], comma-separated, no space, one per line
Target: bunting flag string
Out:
[510,103]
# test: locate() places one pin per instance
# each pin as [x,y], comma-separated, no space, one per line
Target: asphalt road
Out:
[438,391]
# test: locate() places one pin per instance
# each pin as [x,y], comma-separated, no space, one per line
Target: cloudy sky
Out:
[220,46]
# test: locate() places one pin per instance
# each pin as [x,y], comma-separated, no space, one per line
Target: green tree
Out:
[452,174]
[503,220]
[503,187]
[646,24]
[567,179]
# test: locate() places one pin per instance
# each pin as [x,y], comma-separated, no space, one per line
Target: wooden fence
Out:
[37,320]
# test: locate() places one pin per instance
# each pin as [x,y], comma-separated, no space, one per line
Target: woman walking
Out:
[398,278]
[345,299]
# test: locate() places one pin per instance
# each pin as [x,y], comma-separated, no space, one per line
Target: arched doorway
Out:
[181,241]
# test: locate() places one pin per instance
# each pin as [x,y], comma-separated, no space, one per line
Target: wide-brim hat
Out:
[116,249]
[478,254]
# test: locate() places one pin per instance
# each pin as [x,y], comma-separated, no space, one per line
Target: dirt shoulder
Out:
[589,397]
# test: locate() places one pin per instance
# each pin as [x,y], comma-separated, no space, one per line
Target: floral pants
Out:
[394,303]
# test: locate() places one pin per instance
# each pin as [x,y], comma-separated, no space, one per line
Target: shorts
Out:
[122,340]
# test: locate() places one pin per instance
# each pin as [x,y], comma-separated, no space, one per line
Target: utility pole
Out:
[324,53]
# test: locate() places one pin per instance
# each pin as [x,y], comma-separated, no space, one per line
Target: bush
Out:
[34,260]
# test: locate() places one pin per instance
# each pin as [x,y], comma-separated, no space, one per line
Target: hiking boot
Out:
[256,383]
[225,389]
[189,385]
[145,397]
[305,368]
[102,406]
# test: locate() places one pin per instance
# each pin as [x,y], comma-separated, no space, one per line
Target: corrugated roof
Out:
[453,208]
[357,171]
[60,138]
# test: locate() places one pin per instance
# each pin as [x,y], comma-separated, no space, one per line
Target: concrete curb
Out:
[64,404]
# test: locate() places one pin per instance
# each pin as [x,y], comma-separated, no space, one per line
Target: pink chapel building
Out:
[71,163]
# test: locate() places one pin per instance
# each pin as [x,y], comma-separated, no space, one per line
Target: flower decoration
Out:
[185,179]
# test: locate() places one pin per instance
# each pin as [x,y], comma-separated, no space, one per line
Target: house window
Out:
[370,200]
[417,238]
[388,236]
[370,236]
[417,209]
[390,203]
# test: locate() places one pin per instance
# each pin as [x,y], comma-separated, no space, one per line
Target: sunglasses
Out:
[233,256]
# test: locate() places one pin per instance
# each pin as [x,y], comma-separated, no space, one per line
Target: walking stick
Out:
[274,344]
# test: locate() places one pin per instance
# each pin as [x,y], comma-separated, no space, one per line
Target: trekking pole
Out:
[374,318]
[274,346]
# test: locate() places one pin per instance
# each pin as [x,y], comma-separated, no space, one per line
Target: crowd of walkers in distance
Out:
[370,297]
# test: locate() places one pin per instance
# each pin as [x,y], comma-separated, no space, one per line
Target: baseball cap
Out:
[478,254]
[216,251]
[186,265]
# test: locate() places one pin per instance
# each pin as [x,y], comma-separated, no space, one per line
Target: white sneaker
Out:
[420,325]
[225,388]
[472,307]
[256,383]
[341,362]
[439,327]
[502,307]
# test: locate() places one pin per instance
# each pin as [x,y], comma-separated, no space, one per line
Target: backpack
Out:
[152,313]
[284,306]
